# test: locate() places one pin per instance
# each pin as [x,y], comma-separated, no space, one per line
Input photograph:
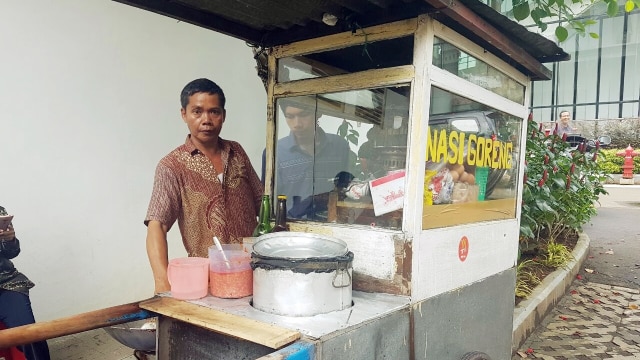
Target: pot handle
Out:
[342,270]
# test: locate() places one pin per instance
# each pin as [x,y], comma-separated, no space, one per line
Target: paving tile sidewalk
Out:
[592,321]
[89,345]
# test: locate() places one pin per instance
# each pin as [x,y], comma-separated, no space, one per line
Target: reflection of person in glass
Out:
[368,155]
[307,160]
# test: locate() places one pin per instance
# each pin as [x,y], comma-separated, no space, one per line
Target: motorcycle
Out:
[575,140]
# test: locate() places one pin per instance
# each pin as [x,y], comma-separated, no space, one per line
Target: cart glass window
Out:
[340,157]
[372,55]
[450,58]
[471,162]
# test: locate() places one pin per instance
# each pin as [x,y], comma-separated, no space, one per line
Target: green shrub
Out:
[560,186]
[610,168]
[612,163]
[556,255]
[623,132]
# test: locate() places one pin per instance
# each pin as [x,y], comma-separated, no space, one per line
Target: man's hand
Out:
[8,233]
[162,286]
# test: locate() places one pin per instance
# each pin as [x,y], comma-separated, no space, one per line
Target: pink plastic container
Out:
[189,277]
[232,278]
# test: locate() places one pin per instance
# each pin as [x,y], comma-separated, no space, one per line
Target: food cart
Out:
[431,98]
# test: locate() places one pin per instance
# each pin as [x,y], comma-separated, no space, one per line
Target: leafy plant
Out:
[560,185]
[347,132]
[543,11]
[556,256]
[623,132]
[526,279]
[612,163]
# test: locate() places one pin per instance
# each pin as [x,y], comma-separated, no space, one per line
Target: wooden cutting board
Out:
[233,325]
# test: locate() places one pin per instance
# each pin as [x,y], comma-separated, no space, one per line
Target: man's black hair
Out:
[198,86]
[298,102]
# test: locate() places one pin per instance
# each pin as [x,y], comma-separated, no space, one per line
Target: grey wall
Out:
[475,317]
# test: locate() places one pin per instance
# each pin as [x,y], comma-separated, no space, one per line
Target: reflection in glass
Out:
[457,62]
[472,157]
[373,55]
[332,146]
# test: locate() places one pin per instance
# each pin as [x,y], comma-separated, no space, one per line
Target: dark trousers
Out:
[15,310]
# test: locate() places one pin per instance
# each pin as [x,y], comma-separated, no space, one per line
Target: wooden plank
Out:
[271,128]
[418,115]
[228,324]
[331,42]
[375,78]
[438,216]
[355,205]
[39,331]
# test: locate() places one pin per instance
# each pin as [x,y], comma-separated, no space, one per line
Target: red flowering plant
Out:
[561,184]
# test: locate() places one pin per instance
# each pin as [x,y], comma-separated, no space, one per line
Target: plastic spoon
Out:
[224,256]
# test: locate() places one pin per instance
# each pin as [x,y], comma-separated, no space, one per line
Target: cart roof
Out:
[275,22]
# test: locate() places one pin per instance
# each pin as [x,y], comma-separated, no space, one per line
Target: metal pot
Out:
[133,335]
[301,274]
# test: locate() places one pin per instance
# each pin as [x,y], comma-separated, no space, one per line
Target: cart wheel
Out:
[475,355]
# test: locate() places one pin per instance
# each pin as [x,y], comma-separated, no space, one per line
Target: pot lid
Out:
[299,245]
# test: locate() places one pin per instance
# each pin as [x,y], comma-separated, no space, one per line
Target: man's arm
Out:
[158,254]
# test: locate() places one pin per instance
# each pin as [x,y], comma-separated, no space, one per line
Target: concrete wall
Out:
[89,103]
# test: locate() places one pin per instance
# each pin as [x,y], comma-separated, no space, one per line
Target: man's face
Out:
[302,122]
[204,117]
[565,116]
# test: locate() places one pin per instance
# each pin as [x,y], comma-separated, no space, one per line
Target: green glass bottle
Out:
[264,218]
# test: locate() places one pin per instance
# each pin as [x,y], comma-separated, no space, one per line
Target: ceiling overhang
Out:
[276,22]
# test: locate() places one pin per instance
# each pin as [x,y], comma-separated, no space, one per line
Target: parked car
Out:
[488,124]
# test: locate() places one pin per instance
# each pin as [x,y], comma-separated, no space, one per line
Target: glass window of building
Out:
[471,162]
[600,82]
[335,152]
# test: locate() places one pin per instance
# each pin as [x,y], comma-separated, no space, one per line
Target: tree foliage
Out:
[543,11]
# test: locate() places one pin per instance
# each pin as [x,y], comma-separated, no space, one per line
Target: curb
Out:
[615,179]
[530,312]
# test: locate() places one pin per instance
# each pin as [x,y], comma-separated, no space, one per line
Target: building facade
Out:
[602,79]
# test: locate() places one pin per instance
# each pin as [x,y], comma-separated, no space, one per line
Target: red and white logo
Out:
[463,248]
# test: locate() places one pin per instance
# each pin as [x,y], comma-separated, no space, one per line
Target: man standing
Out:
[207,184]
